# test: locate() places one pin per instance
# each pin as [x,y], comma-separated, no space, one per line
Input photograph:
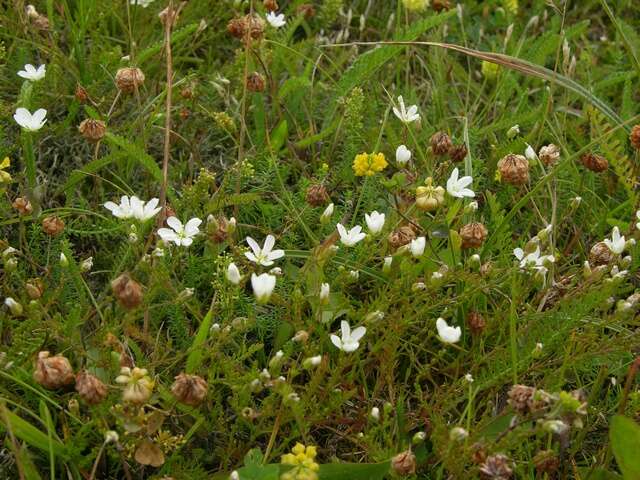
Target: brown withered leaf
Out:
[148,453]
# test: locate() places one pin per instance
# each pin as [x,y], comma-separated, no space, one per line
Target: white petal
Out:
[358,333]
[174,223]
[336,341]
[269,243]
[346,330]
[254,246]
[191,228]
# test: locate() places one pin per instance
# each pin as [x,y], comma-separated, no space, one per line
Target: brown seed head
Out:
[514,169]
[53,372]
[189,389]
[525,400]
[92,130]
[52,225]
[129,79]
[90,388]
[458,153]
[82,96]
[549,154]
[255,82]
[634,138]
[476,323]
[270,5]
[546,461]
[218,229]
[34,288]
[317,195]
[441,143]
[404,464]
[600,254]
[127,291]
[496,467]
[22,205]
[307,10]
[595,163]
[402,236]
[473,235]
[249,26]
[440,5]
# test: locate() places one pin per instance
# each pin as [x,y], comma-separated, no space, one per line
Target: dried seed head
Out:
[402,236]
[317,195]
[441,143]
[187,92]
[524,399]
[440,5]
[92,130]
[473,235]
[404,464]
[218,229]
[236,27]
[476,323]
[458,153]
[249,26]
[270,5]
[40,22]
[595,163]
[189,389]
[34,288]
[546,461]
[90,388]
[634,138]
[129,79]
[127,291]
[164,16]
[496,467]
[549,154]
[514,169]
[82,96]
[53,372]
[306,10]
[52,225]
[600,254]
[255,82]
[22,205]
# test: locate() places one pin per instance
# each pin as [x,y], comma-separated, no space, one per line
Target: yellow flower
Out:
[303,460]
[490,70]
[415,5]
[369,164]
[511,6]
[5,177]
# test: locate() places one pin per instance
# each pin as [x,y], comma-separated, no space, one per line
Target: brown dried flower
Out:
[90,388]
[476,323]
[251,26]
[404,464]
[595,163]
[34,288]
[600,254]
[547,462]
[634,138]
[189,389]
[514,169]
[22,205]
[53,372]
[524,399]
[473,235]
[127,291]
[270,5]
[496,467]
[82,96]
[440,5]
[255,82]
[306,10]
[93,130]
[549,154]
[441,143]
[317,195]
[129,79]
[401,236]
[52,225]
[458,153]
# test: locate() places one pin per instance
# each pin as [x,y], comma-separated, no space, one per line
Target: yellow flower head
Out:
[511,6]
[490,70]
[415,5]
[5,177]
[303,460]
[369,164]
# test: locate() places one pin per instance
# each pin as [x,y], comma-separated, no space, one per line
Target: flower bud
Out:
[34,288]
[189,389]
[111,437]
[127,291]
[311,362]
[53,372]
[90,388]
[22,205]
[513,132]
[14,307]
[86,265]
[458,434]
[326,215]
[64,261]
[418,438]
[375,414]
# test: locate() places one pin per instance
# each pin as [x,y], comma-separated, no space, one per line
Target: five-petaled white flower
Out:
[375,222]
[32,73]
[30,122]
[457,187]
[266,255]
[406,115]
[351,237]
[446,333]
[350,341]
[533,260]
[617,243]
[276,20]
[263,286]
[233,274]
[181,235]
[133,207]
[403,155]
[417,246]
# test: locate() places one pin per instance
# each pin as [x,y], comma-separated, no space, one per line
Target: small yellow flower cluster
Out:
[490,70]
[369,164]
[415,5]
[5,177]
[511,6]
[303,460]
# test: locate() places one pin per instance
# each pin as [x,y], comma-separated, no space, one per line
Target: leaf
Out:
[354,471]
[148,453]
[279,136]
[32,435]
[135,153]
[92,167]
[176,37]
[597,474]
[625,443]
[194,360]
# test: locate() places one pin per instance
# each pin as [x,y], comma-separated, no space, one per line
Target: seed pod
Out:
[53,372]
[90,388]
[496,467]
[458,153]
[634,138]
[441,143]
[600,254]
[82,96]
[402,236]
[127,291]
[317,195]
[440,5]
[52,225]
[189,389]
[595,163]
[404,464]
[549,154]
[92,130]
[248,26]
[129,79]
[270,5]
[255,82]
[22,205]
[34,288]
[514,169]
[473,235]
[476,323]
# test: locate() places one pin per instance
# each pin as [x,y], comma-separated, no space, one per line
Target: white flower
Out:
[417,246]
[350,341]
[141,3]
[354,274]
[233,274]
[617,243]
[266,255]
[120,211]
[638,217]
[375,222]
[403,155]
[532,260]
[276,20]
[86,264]
[458,187]
[328,212]
[406,116]
[530,153]
[134,208]
[15,307]
[31,123]
[446,333]
[375,413]
[351,237]
[181,235]
[469,378]
[32,73]
[234,475]
[111,437]
[263,286]
[325,290]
